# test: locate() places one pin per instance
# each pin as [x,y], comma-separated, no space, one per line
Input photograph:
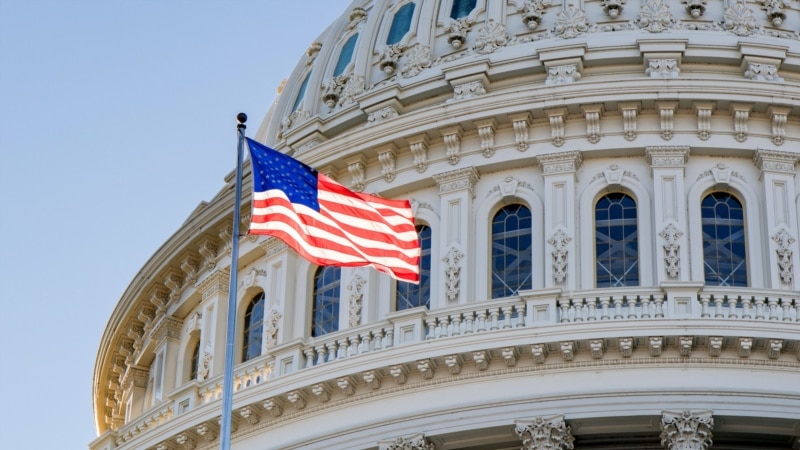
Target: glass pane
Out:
[346,55]
[412,295]
[302,93]
[253,328]
[511,259]
[325,317]
[616,241]
[462,8]
[724,255]
[400,24]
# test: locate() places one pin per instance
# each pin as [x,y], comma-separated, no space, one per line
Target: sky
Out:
[117,118]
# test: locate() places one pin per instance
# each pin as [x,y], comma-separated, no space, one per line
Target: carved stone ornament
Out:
[532,12]
[662,68]
[452,272]
[784,243]
[655,16]
[686,430]
[382,115]
[695,8]
[387,160]
[545,433]
[563,74]
[356,296]
[358,173]
[704,111]
[741,115]
[415,60]
[491,37]
[613,8]
[390,57]
[571,22]
[762,72]
[739,19]
[415,442]
[457,31]
[671,235]
[559,241]
[419,149]
[468,90]
[272,328]
[452,142]
[775,10]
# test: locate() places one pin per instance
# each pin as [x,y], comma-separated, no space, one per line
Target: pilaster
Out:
[456,191]
[166,334]
[214,305]
[668,165]
[559,170]
[780,216]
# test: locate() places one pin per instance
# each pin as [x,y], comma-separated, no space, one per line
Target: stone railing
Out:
[550,308]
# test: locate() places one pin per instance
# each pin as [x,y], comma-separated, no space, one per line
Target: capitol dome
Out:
[607,201]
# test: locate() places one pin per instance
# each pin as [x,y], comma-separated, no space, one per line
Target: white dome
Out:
[607,197]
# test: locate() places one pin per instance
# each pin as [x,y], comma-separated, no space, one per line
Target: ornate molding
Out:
[741,114]
[562,74]
[570,22]
[486,130]
[491,36]
[557,119]
[470,89]
[671,236]
[666,113]
[778,116]
[356,287]
[357,167]
[762,72]
[452,271]
[739,19]
[784,241]
[654,16]
[662,68]
[559,241]
[592,114]
[416,59]
[704,111]
[776,161]
[629,111]
[521,123]
[166,328]
[388,159]
[418,146]
[382,115]
[532,12]
[686,430]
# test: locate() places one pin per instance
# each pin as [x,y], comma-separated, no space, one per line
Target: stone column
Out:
[415,442]
[457,237]
[686,430]
[669,212]
[166,334]
[134,384]
[559,171]
[545,433]
[780,217]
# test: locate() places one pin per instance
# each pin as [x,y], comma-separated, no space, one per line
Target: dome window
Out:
[195,361]
[724,255]
[346,55]
[462,8]
[325,317]
[413,295]
[401,23]
[616,241]
[253,328]
[302,93]
[512,257]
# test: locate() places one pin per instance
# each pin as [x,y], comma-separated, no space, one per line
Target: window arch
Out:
[724,251]
[616,241]
[194,362]
[411,295]
[401,23]
[253,328]
[462,8]
[325,316]
[511,259]
[302,93]
[346,55]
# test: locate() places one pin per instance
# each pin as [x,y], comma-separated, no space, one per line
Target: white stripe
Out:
[401,213]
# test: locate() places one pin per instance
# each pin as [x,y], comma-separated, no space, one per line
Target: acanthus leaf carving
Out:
[452,272]
[491,37]
[784,243]
[686,430]
[655,16]
[356,296]
[559,241]
[739,19]
[571,22]
[545,433]
[671,235]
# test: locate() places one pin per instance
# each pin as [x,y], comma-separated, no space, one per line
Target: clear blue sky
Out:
[117,117]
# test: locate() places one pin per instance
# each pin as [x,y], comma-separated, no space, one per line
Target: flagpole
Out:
[227,381]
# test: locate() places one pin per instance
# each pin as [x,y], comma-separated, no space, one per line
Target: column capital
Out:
[457,180]
[686,430]
[667,155]
[561,162]
[776,161]
[216,283]
[545,433]
[415,442]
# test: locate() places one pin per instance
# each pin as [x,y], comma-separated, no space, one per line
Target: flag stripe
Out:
[328,224]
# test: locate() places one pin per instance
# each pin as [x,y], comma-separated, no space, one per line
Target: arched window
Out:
[462,8]
[616,238]
[724,255]
[253,328]
[346,55]
[302,93]
[195,362]
[411,295]
[325,317]
[401,23]
[512,264]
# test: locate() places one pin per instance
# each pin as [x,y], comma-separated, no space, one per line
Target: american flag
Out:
[326,223]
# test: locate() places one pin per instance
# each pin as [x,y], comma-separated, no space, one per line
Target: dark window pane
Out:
[401,23]
[462,8]
[302,93]
[346,55]
[616,241]
[511,258]
[724,254]
[326,301]
[412,295]
[253,328]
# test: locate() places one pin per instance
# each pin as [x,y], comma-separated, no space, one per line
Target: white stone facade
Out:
[540,103]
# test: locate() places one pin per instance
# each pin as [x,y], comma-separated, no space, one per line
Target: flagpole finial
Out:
[241,118]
